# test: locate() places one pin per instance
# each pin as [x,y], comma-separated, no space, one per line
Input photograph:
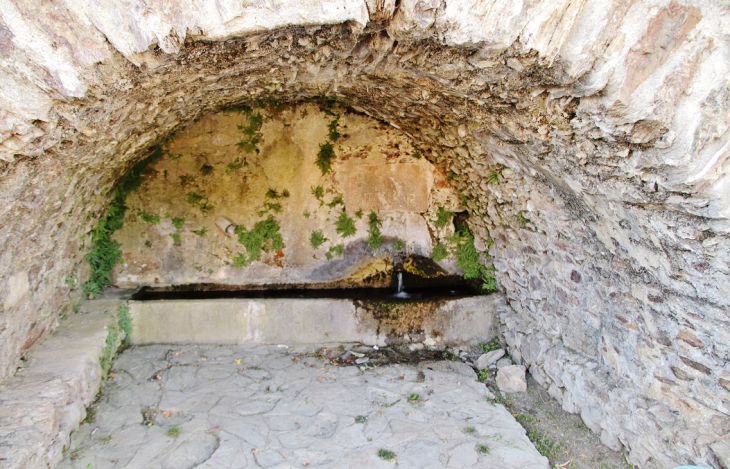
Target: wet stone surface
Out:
[268,406]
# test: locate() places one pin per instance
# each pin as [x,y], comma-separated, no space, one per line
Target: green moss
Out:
[522,219]
[264,235]
[178,223]
[345,225]
[206,169]
[375,238]
[201,232]
[150,218]
[105,252]
[359,214]
[317,239]
[399,245]
[443,217]
[306,214]
[440,252]
[176,239]
[324,157]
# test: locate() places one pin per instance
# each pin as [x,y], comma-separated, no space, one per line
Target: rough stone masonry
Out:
[589,139]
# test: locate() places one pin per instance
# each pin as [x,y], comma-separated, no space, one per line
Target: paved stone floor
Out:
[177,407]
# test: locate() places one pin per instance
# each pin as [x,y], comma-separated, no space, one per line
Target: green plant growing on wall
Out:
[186,179]
[318,193]
[333,135]
[234,165]
[177,222]
[317,239]
[345,225]
[336,250]
[336,200]
[105,252]
[200,200]
[194,198]
[264,235]
[271,207]
[240,260]
[467,258]
[150,218]
[375,238]
[522,219]
[306,214]
[417,153]
[176,240]
[399,244]
[443,217]
[124,321]
[107,353]
[174,157]
[359,214]
[440,252]
[251,136]
[206,169]
[70,281]
[201,232]
[324,157]
[492,178]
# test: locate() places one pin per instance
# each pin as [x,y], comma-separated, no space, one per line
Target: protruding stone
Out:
[511,379]
[488,358]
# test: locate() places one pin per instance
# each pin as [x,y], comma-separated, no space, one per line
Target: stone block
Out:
[512,379]
[488,358]
[388,188]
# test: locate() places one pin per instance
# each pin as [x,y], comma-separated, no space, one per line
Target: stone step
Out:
[305,321]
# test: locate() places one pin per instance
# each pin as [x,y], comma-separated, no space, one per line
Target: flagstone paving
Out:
[176,407]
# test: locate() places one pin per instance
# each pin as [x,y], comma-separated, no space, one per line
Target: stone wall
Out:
[589,139]
[213,168]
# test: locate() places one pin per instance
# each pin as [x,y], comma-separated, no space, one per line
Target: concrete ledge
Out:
[44,402]
[310,321]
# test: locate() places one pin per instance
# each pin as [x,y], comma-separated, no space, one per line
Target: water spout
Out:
[400,292]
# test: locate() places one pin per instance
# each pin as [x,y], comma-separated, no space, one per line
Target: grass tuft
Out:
[440,252]
[386,455]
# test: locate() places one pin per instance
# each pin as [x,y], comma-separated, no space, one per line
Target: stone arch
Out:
[606,124]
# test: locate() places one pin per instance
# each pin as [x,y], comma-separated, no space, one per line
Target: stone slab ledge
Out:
[47,399]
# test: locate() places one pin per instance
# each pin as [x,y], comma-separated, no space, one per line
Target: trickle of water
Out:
[399,292]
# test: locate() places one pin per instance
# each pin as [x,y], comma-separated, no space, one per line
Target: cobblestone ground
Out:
[177,407]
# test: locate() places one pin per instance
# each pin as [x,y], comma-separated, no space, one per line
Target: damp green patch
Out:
[333,134]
